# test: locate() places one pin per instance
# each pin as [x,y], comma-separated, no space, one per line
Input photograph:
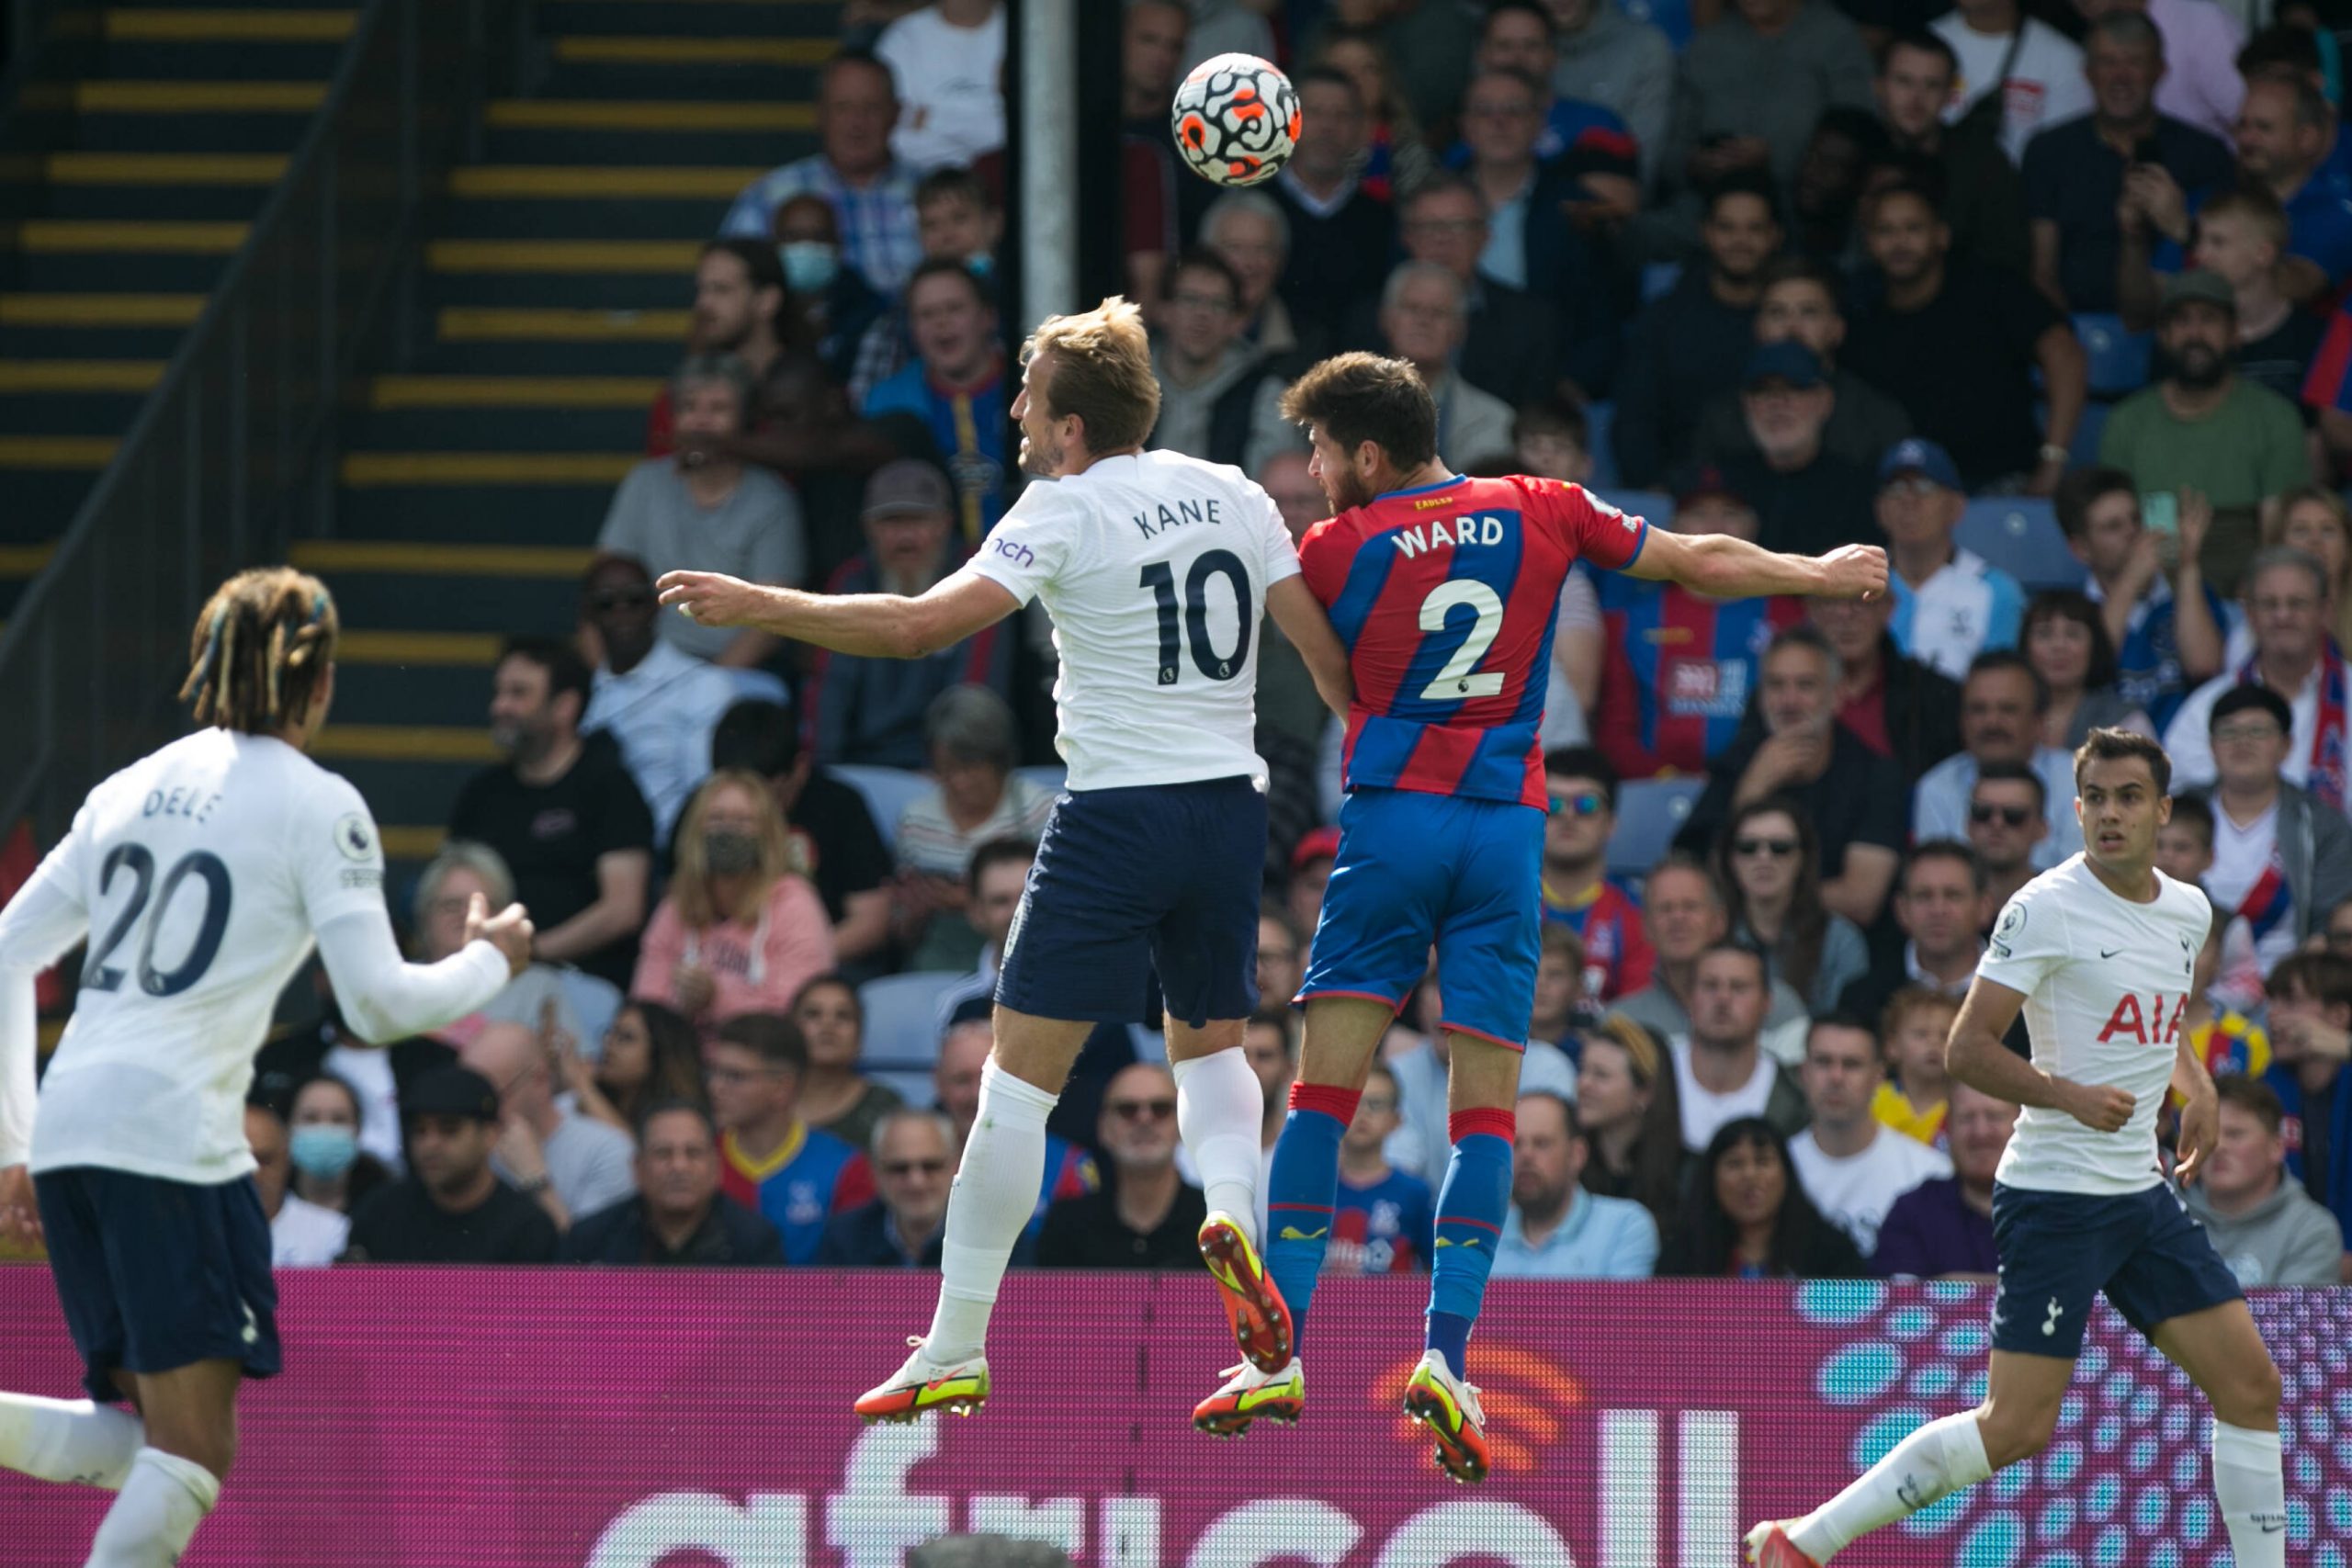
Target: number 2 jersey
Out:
[1445,596]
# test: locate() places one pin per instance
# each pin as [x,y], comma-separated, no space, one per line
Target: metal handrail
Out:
[231,455]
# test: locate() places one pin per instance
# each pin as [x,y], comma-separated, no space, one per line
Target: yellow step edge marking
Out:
[147,168]
[369,469]
[78,236]
[56,453]
[576,50]
[562,256]
[403,743]
[594,114]
[667,182]
[79,374]
[411,843]
[23,561]
[157,25]
[473,650]
[199,97]
[481,324]
[102,310]
[411,559]
[505,391]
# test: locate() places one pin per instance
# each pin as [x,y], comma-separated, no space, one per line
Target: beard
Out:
[1343,489]
[1041,456]
[2199,368]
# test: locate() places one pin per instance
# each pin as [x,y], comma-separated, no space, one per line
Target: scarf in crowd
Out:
[2330,779]
[2268,900]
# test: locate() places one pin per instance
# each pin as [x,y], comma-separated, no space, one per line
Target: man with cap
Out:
[1950,603]
[658,703]
[1804,301]
[1805,498]
[451,1208]
[870,711]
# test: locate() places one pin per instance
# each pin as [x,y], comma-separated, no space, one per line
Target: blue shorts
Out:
[155,1275]
[1415,869]
[2058,1250]
[1128,880]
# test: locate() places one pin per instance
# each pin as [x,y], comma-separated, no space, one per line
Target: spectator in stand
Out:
[453,1208]
[2076,170]
[1958,345]
[1683,664]
[738,931]
[330,1170]
[1896,707]
[1747,1216]
[770,1158]
[1557,1229]
[1980,199]
[955,386]
[1282,956]
[659,705]
[1847,144]
[704,509]
[2065,641]
[2202,85]
[1691,342]
[1721,1070]
[1310,869]
[1577,893]
[1538,209]
[1513,346]
[2288,144]
[955,1083]
[2241,238]
[1942,1229]
[2289,611]
[1288,705]
[1801,303]
[2008,810]
[1950,603]
[978,797]
[1850,793]
[562,813]
[947,62]
[2026,66]
[913,1156]
[1269,1042]
[1753,86]
[1432,42]
[2001,708]
[2203,427]
[651,1055]
[1607,57]
[1229,26]
[834,1096]
[958,217]
[2310,999]
[445,891]
[828,307]
[301,1234]
[739,306]
[1420,1144]
[1769,867]
[869,712]
[1383,1219]
[993,885]
[1684,914]
[871,192]
[679,1218]
[1914,1103]
[1341,234]
[2165,623]
[1247,229]
[1626,1106]
[1560,1005]
[1805,496]
[2316,520]
[1589,138]
[2267,1229]
[571,1164]
[1220,399]
[2281,859]
[1851,1167]
[1147,1215]
[1939,908]
[1399,158]
[1423,319]
[1154,195]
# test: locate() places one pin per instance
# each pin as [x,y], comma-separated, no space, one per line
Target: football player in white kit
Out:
[1156,570]
[2100,954]
[199,876]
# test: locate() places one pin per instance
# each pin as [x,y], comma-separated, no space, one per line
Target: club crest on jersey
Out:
[354,838]
[2153,1026]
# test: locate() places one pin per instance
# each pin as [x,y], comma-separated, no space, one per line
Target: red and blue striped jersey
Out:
[1445,596]
[1680,670]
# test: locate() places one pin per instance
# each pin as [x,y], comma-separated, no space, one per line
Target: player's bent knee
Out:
[2015,1430]
[2250,1397]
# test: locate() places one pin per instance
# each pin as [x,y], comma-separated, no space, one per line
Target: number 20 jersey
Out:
[1445,596]
[202,870]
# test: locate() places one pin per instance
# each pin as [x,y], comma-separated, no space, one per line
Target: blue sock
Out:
[1301,1189]
[1470,1211]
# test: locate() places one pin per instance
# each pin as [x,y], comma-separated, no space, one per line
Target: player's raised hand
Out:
[1853,571]
[19,1214]
[711,598]
[509,930]
[2200,1129]
[2103,1108]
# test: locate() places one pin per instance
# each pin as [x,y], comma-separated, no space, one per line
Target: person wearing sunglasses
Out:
[1769,866]
[1581,787]
[2006,822]
[904,1226]
[1147,1215]
[658,703]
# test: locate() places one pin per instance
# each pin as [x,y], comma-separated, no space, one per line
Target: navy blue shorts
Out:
[2059,1250]
[1165,876]
[155,1275]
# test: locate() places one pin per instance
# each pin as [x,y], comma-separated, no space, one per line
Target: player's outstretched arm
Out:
[384,998]
[1300,615]
[1976,1055]
[1726,567]
[867,625]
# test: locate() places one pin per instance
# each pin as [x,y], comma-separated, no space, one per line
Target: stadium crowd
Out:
[1804,272]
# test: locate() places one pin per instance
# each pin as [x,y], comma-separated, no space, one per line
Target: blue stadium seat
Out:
[1653,504]
[2019,534]
[594,1002]
[887,792]
[1600,419]
[2118,358]
[2083,452]
[1047,776]
[902,1018]
[1649,813]
[1658,278]
[916,1089]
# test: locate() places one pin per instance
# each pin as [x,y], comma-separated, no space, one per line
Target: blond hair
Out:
[691,884]
[1102,373]
[263,643]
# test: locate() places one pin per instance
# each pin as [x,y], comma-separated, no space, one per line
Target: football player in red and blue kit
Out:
[1444,589]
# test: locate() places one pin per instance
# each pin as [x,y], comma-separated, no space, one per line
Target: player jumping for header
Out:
[1157,569]
[2100,954]
[1444,589]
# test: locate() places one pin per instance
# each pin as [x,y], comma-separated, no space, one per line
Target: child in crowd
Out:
[1912,1101]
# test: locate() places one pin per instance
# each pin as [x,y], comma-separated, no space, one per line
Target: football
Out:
[1235,119]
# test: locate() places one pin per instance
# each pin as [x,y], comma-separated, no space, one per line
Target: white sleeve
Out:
[41,924]
[384,998]
[2028,943]
[337,856]
[1029,545]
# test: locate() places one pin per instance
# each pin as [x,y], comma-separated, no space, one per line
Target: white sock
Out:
[2250,1483]
[162,1503]
[995,1192]
[71,1440]
[1939,1457]
[1219,1108]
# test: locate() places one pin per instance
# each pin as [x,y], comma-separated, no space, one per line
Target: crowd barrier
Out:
[591,1419]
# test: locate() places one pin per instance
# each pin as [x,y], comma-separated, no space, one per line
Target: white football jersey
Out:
[1154,569]
[203,870]
[2106,981]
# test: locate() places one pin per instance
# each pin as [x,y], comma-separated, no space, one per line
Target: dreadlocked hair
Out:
[261,643]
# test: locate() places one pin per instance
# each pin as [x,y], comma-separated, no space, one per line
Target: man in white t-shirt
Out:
[2100,955]
[2290,610]
[2280,859]
[947,60]
[2044,83]
[301,1235]
[1720,1068]
[1950,603]
[1850,1166]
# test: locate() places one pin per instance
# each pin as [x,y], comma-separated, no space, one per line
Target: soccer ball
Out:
[1235,119]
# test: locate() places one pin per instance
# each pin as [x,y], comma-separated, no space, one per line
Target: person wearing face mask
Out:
[738,932]
[330,1170]
[829,306]
[301,1235]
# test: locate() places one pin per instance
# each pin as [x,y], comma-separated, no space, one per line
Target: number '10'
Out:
[1162,579]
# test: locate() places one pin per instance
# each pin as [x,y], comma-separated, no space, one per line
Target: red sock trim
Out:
[1493,1120]
[1333,1099]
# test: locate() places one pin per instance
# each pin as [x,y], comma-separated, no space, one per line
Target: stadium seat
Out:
[1600,419]
[2118,358]
[2083,452]
[887,792]
[902,1018]
[1047,776]
[916,1089]
[1658,279]
[2019,534]
[759,685]
[1655,505]
[1649,813]
[595,1001]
